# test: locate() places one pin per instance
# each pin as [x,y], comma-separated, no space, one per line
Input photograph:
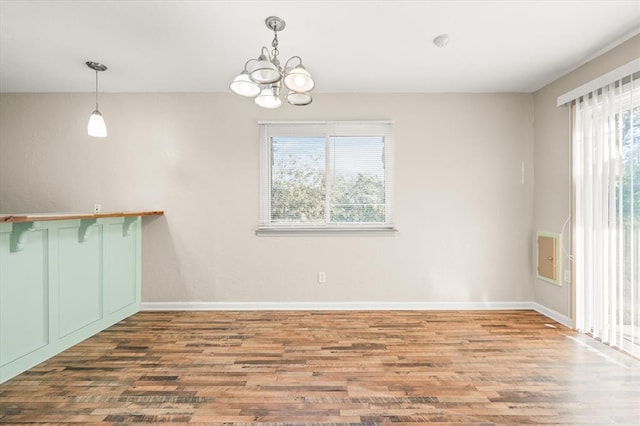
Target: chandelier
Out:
[264,77]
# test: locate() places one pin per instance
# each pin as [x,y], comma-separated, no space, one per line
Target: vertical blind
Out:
[606,179]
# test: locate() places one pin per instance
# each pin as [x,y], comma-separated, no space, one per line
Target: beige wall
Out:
[463,215]
[553,160]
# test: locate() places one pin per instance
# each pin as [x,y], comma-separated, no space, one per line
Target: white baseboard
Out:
[331,306]
[354,306]
[556,316]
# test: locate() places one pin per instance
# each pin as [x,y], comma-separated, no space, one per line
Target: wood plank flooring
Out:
[468,367]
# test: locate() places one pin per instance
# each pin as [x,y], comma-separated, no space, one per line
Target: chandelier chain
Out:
[274,43]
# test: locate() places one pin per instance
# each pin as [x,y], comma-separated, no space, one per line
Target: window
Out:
[332,175]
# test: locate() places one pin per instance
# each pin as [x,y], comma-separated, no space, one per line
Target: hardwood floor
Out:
[465,367]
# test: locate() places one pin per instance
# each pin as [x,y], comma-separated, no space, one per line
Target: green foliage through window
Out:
[328,180]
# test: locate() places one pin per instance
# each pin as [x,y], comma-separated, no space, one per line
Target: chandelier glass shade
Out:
[264,71]
[244,86]
[296,98]
[269,97]
[263,77]
[299,80]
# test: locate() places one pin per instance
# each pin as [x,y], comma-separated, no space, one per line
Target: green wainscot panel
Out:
[120,269]
[63,281]
[24,306]
[79,277]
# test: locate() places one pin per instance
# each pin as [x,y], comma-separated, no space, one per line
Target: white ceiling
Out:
[348,46]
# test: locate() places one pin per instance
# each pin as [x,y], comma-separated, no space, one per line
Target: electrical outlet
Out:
[567,277]
[322,277]
[97,208]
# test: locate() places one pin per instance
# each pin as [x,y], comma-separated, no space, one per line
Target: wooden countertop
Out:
[37,217]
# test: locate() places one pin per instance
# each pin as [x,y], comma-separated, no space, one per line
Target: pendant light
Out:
[96,126]
[263,80]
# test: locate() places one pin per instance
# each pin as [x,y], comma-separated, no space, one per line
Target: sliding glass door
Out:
[628,212]
[606,177]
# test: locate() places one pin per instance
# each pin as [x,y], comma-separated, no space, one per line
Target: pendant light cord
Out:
[96,90]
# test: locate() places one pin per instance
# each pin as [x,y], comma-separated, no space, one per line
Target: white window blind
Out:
[326,175]
[606,174]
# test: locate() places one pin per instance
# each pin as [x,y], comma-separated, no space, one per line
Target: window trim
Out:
[321,129]
[318,230]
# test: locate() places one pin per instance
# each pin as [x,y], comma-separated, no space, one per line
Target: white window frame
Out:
[323,129]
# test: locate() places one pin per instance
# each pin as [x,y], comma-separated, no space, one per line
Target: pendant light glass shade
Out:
[299,99]
[244,86]
[268,98]
[299,80]
[96,127]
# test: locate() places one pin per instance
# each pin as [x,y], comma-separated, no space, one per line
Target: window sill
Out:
[318,231]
